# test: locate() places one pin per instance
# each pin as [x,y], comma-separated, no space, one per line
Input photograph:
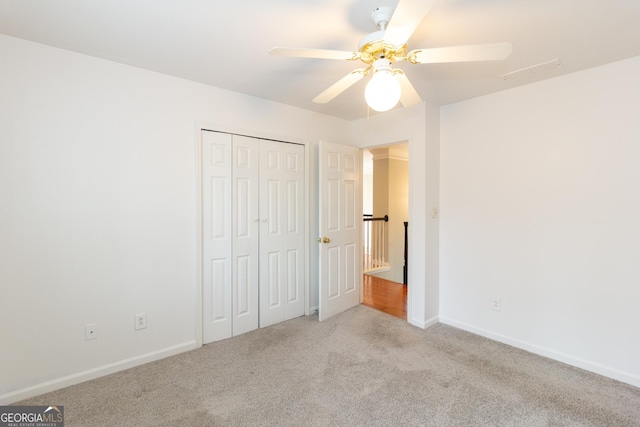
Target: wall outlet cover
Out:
[140,321]
[91,331]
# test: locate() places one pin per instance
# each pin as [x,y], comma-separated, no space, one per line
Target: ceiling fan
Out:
[381,49]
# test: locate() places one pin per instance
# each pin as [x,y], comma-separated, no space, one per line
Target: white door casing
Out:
[340,210]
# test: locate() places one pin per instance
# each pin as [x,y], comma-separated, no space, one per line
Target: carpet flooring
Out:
[360,368]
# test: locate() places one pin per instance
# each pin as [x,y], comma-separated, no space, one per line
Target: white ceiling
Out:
[226,43]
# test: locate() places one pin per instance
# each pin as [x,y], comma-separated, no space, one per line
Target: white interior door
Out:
[282,250]
[340,251]
[217,236]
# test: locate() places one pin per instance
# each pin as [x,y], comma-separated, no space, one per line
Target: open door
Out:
[340,227]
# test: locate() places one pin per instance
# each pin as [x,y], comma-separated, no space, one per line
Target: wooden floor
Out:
[386,296]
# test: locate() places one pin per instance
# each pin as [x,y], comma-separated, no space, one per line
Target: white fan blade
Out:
[341,85]
[406,18]
[480,52]
[409,97]
[315,53]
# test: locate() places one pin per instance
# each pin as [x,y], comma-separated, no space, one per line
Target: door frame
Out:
[408,182]
[420,126]
[410,289]
[253,133]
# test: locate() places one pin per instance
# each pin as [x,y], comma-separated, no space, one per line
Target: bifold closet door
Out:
[282,242]
[230,225]
[253,240]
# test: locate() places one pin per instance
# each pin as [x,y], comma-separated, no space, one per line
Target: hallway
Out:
[386,296]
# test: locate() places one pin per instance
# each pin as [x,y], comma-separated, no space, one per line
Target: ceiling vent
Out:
[532,71]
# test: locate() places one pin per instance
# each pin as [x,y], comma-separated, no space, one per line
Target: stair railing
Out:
[374,242]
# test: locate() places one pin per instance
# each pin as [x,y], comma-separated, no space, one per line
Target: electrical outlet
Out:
[140,321]
[496,304]
[91,331]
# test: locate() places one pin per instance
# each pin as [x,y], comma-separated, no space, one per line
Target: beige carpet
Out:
[361,368]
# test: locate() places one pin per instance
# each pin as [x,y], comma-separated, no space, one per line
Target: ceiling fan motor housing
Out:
[382,64]
[372,47]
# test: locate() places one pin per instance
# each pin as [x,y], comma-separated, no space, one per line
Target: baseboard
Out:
[424,324]
[90,374]
[587,365]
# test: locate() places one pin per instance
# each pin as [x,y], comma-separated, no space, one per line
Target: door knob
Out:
[324,240]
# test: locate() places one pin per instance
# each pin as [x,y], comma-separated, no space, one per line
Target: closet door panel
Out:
[294,239]
[282,205]
[245,234]
[271,242]
[217,236]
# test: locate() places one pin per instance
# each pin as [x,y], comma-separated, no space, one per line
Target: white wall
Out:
[540,207]
[98,217]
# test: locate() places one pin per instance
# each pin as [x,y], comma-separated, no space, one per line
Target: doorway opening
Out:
[385,190]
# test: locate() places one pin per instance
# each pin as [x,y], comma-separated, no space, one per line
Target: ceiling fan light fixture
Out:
[383,90]
[388,45]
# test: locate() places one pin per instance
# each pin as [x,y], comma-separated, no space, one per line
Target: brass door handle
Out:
[324,240]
